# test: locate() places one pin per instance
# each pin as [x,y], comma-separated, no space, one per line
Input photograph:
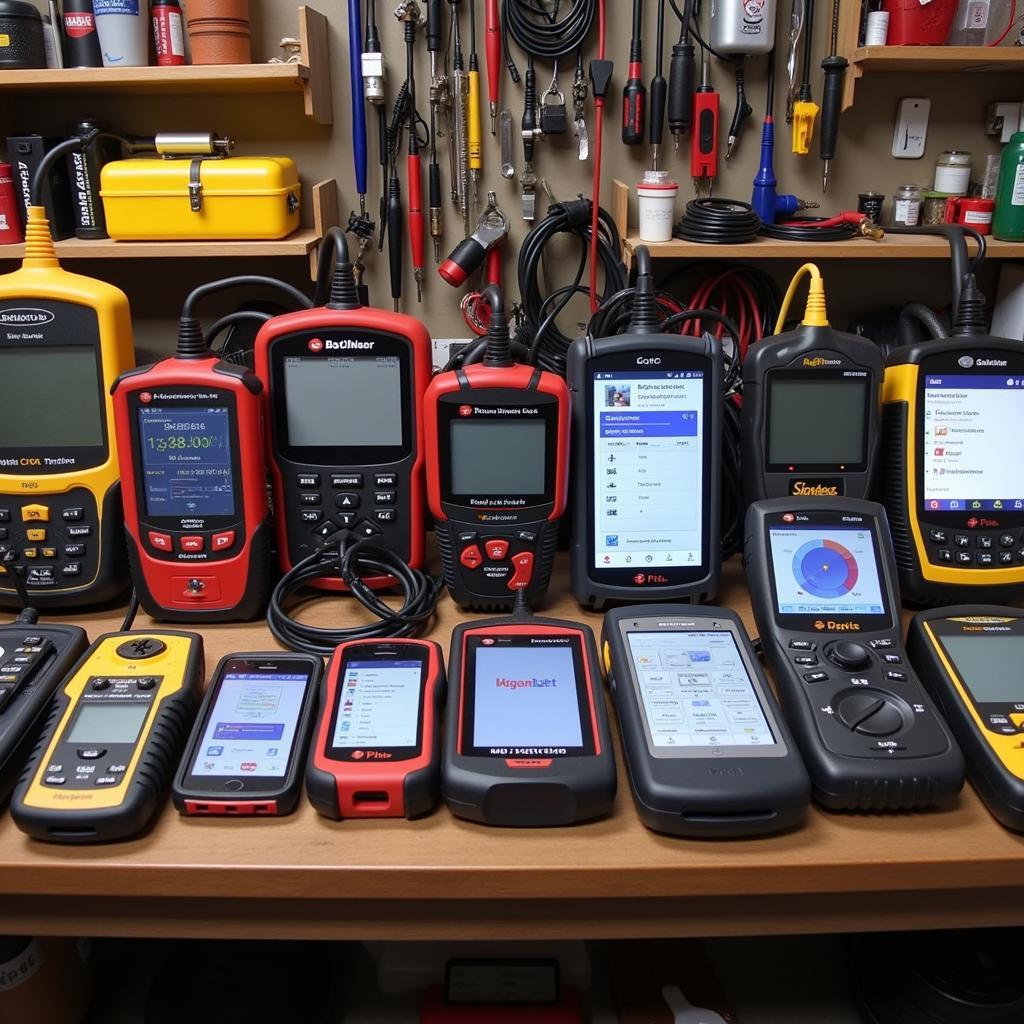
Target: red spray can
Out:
[10,219]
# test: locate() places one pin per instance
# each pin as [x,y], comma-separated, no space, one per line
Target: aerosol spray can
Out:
[168,33]
[84,171]
[10,218]
[81,43]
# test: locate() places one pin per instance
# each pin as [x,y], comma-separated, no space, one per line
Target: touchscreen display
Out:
[695,691]
[52,398]
[186,461]
[648,434]
[498,458]
[989,666]
[378,705]
[825,571]
[972,427]
[525,696]
[343,401]
[817,421]
[104,722]
[251,727]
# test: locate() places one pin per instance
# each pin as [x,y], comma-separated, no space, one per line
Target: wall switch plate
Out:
[911,134]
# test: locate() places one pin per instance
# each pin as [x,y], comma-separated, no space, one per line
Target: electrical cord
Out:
[924,315]
[812,229]
[718,222]
[540,32]
[547,345]
[351,559]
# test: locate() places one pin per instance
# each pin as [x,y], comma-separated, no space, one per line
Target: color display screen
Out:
[695,691]
[52,398]
[817,421]
[251,729]
[378,705]
[343,401]
[498,458]
[825,571]
[972,427]
[648,437]
[989,666]
[186,461]
[105,722]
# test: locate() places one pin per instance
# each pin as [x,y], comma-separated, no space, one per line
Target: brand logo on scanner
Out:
[648,361]
[802,489]
[989,362]
[836,627]
[649,577]
[25,317]
[821,361]
[371,755]
[502,683]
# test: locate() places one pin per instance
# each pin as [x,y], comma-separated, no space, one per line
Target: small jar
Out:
[953,172]
[870,204]
[933,207]
[657,197]
[906,206]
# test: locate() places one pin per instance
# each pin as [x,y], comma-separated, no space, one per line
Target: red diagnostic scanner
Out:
[343,414]
[376,750]
[195,500]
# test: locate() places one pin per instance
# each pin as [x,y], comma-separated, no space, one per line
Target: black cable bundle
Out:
[540,32]
[344,556]
[718,222]
[805,229]
[538,331]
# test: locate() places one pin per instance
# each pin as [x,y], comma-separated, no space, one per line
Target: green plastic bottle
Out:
[1008,221]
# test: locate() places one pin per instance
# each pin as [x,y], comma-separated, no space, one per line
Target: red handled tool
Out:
[492,33]
[634,93]
[469,255]
[704,142]
[409,14]
[475,310]
[376,750]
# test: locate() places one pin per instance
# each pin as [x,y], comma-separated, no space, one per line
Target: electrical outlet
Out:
[1002,119]
[911,134]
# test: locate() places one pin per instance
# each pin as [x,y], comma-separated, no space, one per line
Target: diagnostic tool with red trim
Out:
[247,750]
[195,501]
[343,392]
[526,739]
[497,439]
[376,749]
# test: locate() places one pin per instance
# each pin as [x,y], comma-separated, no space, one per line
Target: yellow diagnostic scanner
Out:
[953,476]
[969,658]
[112,740]
[64,339]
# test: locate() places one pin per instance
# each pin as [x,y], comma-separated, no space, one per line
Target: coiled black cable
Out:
[351,559]
[541,33]
[805,229]
[718,222]
[538,330]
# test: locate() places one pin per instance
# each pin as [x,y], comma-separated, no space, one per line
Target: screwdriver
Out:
[408,13]
[492,34]
[805,110]
[680,80]
[659,91]
[475,126]
[634,93]
[834,67]
[359,153]
[704,142]
[434,41]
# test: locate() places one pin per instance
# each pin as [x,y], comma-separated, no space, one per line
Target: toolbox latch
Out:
[195,186]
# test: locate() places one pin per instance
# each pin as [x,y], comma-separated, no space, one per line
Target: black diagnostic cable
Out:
[962,264]
[547,345]
[681,76]
[806,229]
[718,222]
[540,32]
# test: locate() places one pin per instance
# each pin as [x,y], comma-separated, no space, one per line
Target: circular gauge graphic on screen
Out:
[825,569]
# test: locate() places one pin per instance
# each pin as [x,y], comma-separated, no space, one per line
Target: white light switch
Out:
[911,134]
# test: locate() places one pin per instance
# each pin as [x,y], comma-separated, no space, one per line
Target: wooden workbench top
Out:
[441,877]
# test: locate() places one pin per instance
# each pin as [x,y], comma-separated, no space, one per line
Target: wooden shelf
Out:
[438,877]
[311,77]
[896,247]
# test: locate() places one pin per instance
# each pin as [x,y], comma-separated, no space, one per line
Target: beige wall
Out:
[274,124]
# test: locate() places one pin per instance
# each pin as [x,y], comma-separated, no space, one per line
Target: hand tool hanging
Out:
[359,224]
[704,140]
[408,12]
[681,76]
[393,216]
[834,67]
[438,100]
[634,92]
[805,110]
[579,98]
[492,46]
[480,249]
[659,91]
[459,136]
[796,28]
[600,80]
[474,133]
[530,132]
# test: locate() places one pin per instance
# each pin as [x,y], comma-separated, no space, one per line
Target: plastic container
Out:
[877,32]
[123,28]
[1008,221]
[912,23]
[245,197]
[21,36]
[657,200]
[906,206]
[953,172]
[218,31]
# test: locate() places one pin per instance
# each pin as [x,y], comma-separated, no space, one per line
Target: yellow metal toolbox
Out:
[240,197]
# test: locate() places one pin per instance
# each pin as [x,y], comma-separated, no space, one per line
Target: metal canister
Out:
[84,171]
[10,218]
[870,204]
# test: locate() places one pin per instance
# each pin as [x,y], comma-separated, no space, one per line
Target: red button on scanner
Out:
[223,540]
[161,541]
[523,563]
[497,550]
[471,557]
[192,544]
